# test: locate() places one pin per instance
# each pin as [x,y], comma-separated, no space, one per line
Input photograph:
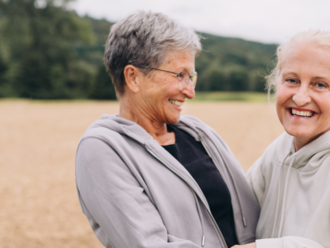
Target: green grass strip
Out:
[230,97]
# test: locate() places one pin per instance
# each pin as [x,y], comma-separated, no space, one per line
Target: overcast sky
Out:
[270,21]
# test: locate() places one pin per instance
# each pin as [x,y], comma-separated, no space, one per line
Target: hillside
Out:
[225,64]
[239,65]
[52,53]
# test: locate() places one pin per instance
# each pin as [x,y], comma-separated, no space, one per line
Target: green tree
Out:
[215,79]
[102,88]
[3,69]
[237,77]
[3,81]
[234,61]
[257,81]
[49,52]
[40,36]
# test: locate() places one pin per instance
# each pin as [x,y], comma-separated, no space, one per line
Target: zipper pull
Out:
[203,241]
[244,221]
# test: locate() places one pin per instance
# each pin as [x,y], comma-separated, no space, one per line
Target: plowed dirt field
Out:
[38,200]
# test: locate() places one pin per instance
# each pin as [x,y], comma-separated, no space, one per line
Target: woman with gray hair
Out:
[147,177]
[291,179]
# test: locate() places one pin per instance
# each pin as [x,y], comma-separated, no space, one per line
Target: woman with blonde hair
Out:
[291,179]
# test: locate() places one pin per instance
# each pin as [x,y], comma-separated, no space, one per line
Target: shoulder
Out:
[99,127]
[116,131]
[194,123]
[195,126]
[275,152]
[191,120]
[100,141]
[280,147]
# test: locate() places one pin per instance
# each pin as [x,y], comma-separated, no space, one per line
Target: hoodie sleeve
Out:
[287,242]
[117,207]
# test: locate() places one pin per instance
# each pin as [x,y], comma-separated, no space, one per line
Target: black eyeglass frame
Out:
[176,73]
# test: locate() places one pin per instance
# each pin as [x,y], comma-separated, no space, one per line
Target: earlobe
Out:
[131,74]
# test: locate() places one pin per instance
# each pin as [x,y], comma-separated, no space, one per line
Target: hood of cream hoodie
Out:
[293,191]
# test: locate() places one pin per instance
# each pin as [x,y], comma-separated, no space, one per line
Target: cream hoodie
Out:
[293,190]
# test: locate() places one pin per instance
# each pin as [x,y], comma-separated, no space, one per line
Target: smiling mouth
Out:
[305,114]
[176,103]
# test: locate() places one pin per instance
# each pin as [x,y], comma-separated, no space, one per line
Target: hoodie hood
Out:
[120,125]
[309,157]
[129,128]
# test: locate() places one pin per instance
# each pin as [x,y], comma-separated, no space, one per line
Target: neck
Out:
[132,111]
[300,142]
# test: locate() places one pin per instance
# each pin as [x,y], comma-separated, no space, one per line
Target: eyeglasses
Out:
[183,77]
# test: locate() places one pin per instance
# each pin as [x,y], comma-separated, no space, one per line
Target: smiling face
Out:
[303,93]
[160,98]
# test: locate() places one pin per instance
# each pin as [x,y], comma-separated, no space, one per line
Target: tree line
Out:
[49,52]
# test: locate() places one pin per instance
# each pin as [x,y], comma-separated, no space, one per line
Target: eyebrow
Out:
[314,78]
[321,78]
[290,72]
[186,69]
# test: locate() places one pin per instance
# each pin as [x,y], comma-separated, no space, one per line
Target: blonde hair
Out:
[313,37]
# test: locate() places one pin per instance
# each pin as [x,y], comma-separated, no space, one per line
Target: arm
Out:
[119,211]
[284,242]
[288,242]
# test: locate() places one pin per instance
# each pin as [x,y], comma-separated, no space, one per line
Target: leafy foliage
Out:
[231,64]
[103,88]
[49,52]
[39,41]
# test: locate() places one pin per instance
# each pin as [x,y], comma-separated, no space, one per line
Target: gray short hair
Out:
[144,39]
[314,37]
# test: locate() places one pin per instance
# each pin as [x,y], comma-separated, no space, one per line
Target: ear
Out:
[131,74]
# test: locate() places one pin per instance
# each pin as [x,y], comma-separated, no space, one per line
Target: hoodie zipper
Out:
[200,217]
[239,201]
[214,222]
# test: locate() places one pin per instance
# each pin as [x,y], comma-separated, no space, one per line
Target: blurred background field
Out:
[38,140]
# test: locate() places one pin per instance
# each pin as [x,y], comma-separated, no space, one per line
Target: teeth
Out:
[176,103]
[302,113]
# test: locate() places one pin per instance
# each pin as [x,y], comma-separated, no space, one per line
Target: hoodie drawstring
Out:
[284,198]
[239,199]
[279,193]
[201,219]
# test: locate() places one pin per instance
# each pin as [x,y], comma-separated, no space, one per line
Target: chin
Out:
[173,120]
[298,133]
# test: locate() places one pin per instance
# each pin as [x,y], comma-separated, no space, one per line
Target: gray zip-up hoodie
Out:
[293,191]
[135,194]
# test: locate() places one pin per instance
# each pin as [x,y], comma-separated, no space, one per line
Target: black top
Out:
[192,155]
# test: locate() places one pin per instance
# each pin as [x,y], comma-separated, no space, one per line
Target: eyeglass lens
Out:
[185,77]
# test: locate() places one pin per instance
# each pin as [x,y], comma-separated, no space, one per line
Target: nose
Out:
[302,97]
[189,90]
